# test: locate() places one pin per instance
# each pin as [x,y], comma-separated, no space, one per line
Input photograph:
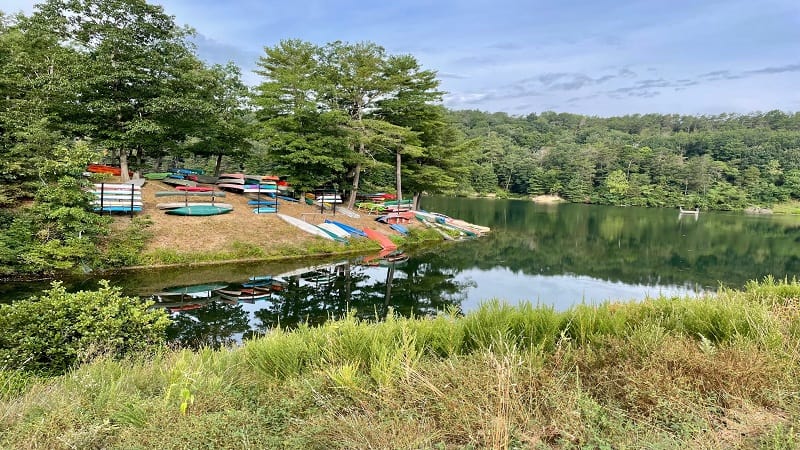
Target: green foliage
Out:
[53,332]
[125,247]
[66,231]
[719,162]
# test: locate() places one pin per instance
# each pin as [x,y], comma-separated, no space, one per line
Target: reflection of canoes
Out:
[243,294]
[201,210]
[305,226]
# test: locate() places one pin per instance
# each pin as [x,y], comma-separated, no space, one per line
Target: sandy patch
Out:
[547,199]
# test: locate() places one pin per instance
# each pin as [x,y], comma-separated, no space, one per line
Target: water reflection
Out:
[369,287]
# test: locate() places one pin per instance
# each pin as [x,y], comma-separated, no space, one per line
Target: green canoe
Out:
[204,210]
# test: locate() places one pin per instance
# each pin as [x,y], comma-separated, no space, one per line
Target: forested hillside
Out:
[718,162]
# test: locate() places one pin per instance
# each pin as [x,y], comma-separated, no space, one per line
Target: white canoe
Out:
[347,212]
[107,202]
[116,187]
[305,226]
[335,230]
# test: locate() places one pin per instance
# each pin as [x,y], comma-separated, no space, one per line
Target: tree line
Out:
[727,161]
[119,81]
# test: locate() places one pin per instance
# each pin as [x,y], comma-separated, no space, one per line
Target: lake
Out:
[552,254]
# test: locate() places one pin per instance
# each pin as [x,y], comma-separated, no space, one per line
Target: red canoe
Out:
[380,238]
[195,188]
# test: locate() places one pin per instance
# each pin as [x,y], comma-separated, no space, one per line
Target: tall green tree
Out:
[133,57]
[36,75]
[338,90]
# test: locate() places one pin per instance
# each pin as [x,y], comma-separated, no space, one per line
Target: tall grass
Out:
[713,372]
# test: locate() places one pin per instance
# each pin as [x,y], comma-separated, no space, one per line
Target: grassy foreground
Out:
[716,372]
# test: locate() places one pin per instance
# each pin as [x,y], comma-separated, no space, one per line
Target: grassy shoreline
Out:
[721,371]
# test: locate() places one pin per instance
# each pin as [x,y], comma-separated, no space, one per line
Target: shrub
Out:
[53,332]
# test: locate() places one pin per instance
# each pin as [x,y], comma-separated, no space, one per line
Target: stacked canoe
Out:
[117,197]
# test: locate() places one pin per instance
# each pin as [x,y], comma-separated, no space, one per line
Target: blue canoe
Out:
[262,202]
[265,210]
[399,228]
[348,228]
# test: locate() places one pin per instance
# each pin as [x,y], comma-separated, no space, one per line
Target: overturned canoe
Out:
[380,238]
[200,210]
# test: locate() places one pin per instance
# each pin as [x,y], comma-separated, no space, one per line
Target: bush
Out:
[53,332]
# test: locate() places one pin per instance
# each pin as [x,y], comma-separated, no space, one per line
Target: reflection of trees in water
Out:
[214,325]
[417,287]
[631,245]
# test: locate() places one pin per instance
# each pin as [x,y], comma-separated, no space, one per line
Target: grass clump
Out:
[714,372]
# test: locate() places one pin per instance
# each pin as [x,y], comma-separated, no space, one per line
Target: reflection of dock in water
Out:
[688,212]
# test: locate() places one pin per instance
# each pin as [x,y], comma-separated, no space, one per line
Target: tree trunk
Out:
[415,203]
[398,178]
[356,175]
[123,165]
[138,163]
[218,165]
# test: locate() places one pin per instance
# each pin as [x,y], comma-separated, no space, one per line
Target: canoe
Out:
[333,235]
[118,208]
[265,210]
[380,238]
[116,186]
[255,189]
[397,202]
[262,202]
[305,226]
[190,194]
[232,175]
[183,171]
[399,228]
[332,228]
[102,168]
[174,205]
[156,175]
[116,202]
[230,186]
[203,210]
[288,199]
[347,212]
[353,231]
[114,197]
[194,188]
[177,182]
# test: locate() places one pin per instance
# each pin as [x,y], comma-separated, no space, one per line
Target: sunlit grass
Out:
[720,371]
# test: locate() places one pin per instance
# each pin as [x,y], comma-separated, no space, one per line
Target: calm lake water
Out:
[554,254]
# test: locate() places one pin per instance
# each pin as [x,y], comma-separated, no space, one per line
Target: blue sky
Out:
[597,57]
